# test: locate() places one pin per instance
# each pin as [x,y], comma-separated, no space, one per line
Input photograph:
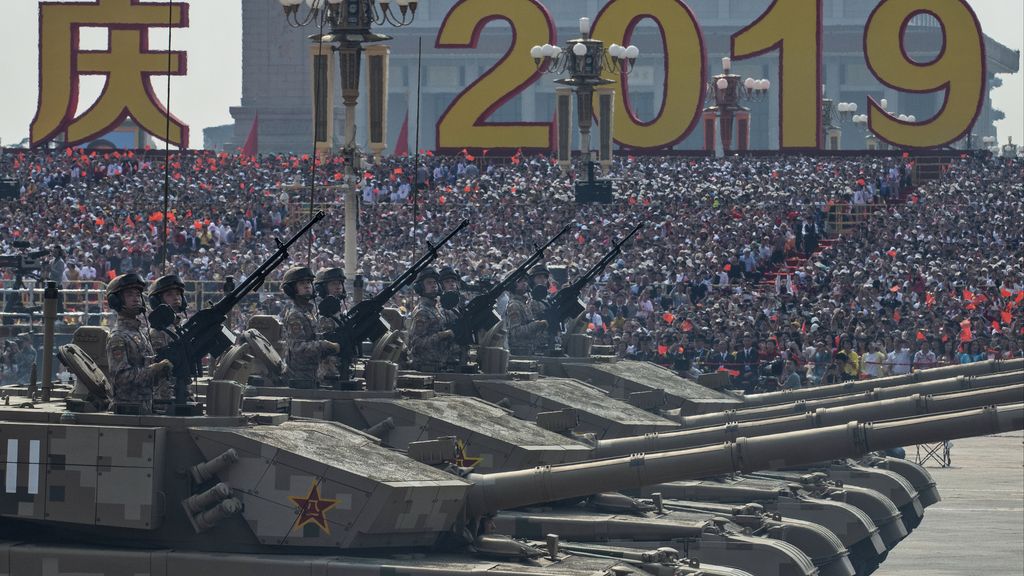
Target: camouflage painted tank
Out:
[218,494]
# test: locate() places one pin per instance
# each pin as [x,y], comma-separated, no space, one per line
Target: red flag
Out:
[995,326]
[891,253]
[1005,293]
[1020,296]
[1006,316]
[470,157]
[252,141]
[728,267]
[965,331]
[896,315]
[920,335]
[929,299]
[968,295]
[687,326]
[402,144]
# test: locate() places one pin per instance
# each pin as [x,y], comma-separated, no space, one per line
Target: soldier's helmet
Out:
[326,276]
[535,270]
[163,284]
[125,281]
[426,273]
[447,273]
[292,276]
[539,269]
[120,284]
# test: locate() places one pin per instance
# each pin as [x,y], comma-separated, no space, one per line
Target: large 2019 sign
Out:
[791,27]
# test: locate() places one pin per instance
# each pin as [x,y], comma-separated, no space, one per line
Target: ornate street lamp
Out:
[583,60]
[347,26]
[725,92]
[871,140]
[833,115]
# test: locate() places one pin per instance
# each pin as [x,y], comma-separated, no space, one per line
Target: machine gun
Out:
[204,333]
[24,263]
[478,314]
[364,321]
[566,304]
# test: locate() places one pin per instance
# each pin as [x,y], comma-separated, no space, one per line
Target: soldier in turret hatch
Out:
[523,328]
[129,352]
[169,290]
[430,338]
[331,282]
[305,350]
[451,300]
[539,276]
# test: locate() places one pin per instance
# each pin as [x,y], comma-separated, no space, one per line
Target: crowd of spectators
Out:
[736,269]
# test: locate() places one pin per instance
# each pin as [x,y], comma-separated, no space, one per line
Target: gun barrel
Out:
[504,490]
[910,406]
[972,369]
[941,386]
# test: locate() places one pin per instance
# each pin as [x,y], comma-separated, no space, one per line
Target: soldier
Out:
[430,339]
[523,329]
[451,300]
[129,352]
[331,282]
[304,350]
[169,290]
[539,276]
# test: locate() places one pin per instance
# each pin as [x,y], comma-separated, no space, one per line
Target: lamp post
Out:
[833,115]
[350,25]
[724,92]
[873,142]
[584,59]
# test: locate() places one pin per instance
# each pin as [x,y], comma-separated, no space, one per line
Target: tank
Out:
[596,414]
[491,439]
[209,494]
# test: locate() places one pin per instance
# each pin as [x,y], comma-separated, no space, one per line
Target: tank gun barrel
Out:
[940,386]
[973,369]
[906,407]
[504,490]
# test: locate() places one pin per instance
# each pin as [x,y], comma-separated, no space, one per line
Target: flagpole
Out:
[416,158]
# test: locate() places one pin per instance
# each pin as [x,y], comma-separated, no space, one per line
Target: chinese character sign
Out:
[128,64]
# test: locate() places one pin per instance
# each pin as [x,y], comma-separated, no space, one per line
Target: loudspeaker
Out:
[9,188]
[594,191]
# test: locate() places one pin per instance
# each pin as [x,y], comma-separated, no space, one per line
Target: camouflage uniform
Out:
[522,332]
[543,343]
[128,355]
[429,351]
[304,349]
[159,339]
[332,367]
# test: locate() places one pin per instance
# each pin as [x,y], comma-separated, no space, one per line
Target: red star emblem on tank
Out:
[461,459]
[313,508]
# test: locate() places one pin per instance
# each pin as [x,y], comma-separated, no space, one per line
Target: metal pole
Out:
[416,168]
[50,296]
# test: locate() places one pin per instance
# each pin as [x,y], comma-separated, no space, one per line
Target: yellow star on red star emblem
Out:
[313,508]
[461,459]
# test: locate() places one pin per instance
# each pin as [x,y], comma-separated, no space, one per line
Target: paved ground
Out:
[978,527]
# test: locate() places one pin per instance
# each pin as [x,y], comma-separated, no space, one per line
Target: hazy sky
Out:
[214,80]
